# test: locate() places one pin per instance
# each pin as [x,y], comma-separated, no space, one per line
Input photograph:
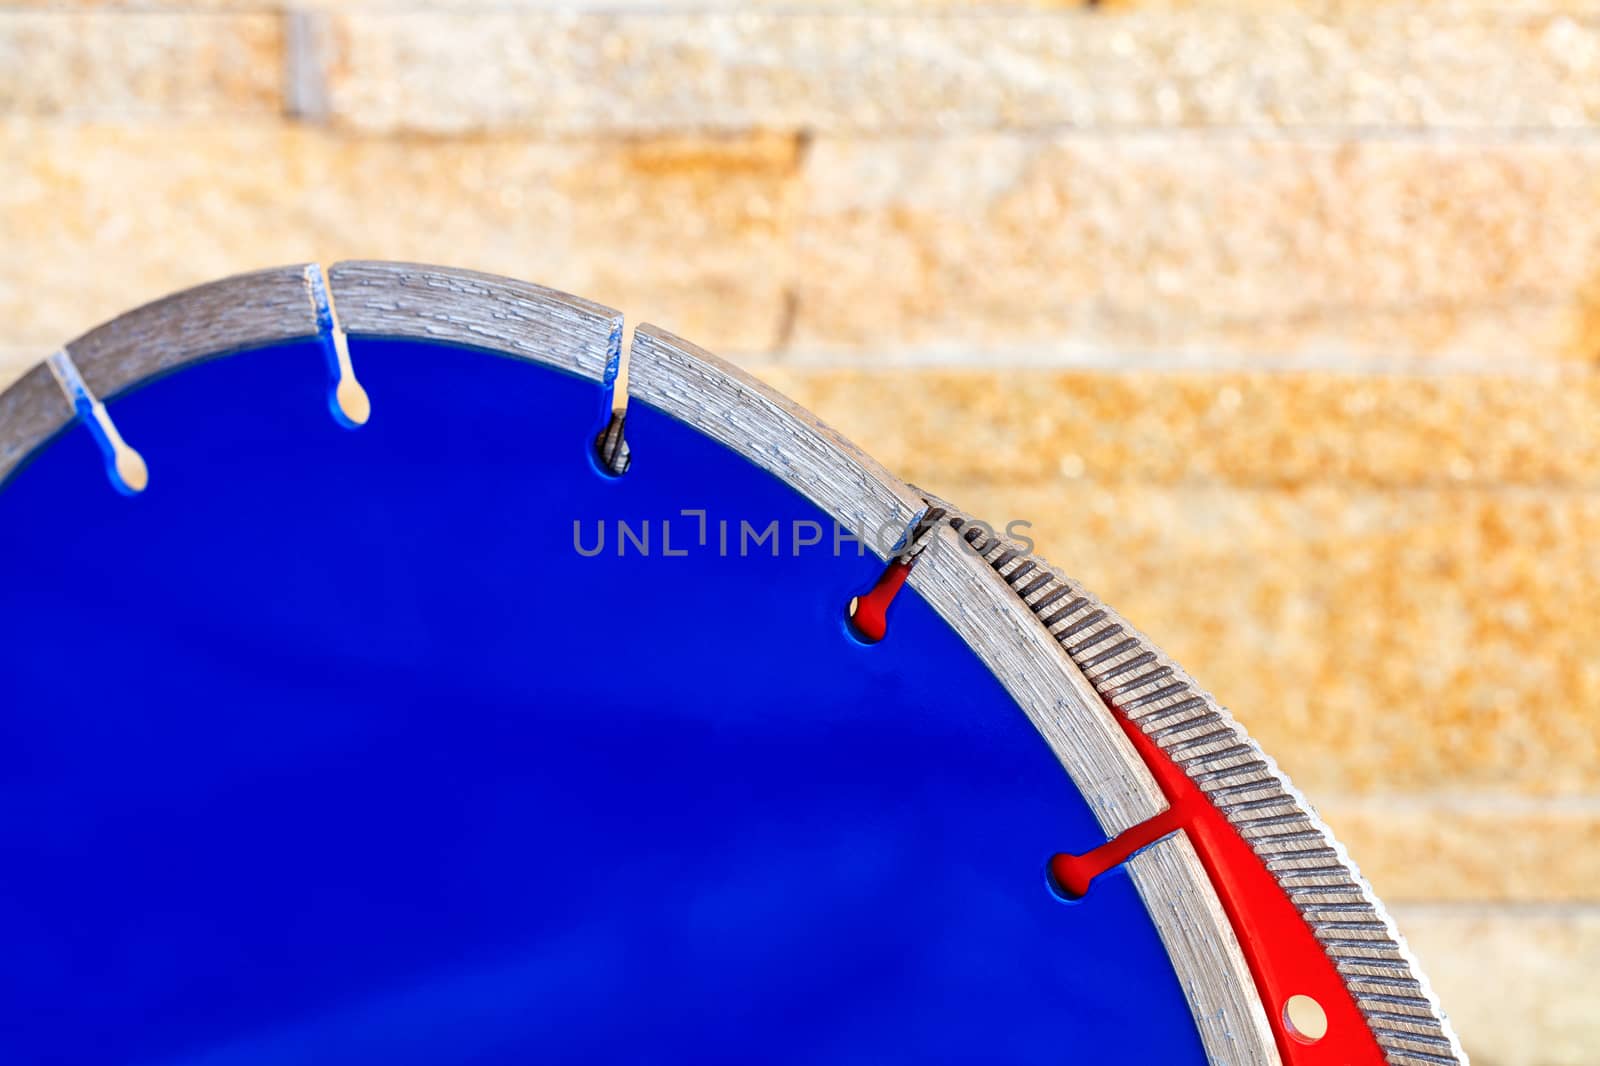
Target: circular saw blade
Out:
[382,527]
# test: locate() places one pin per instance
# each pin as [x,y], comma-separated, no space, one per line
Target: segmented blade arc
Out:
[1056,688]
[1135,678]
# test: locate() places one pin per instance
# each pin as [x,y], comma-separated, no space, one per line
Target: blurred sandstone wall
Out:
[1280,321]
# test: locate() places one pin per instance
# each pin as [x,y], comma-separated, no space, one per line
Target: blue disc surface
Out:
[346,747]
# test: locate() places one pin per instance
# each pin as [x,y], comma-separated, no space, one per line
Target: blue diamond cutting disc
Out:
[424,737]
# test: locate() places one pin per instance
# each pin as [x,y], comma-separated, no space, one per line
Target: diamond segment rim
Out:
[1138,680]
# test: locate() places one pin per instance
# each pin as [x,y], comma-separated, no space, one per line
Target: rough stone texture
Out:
[1115,250]
[99,218]
[1405,640]
[1017,426]
[150,65]
[15,360]
[1520,984]
[1102,7]
[1465,848]
[842,72]
[1185,248]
